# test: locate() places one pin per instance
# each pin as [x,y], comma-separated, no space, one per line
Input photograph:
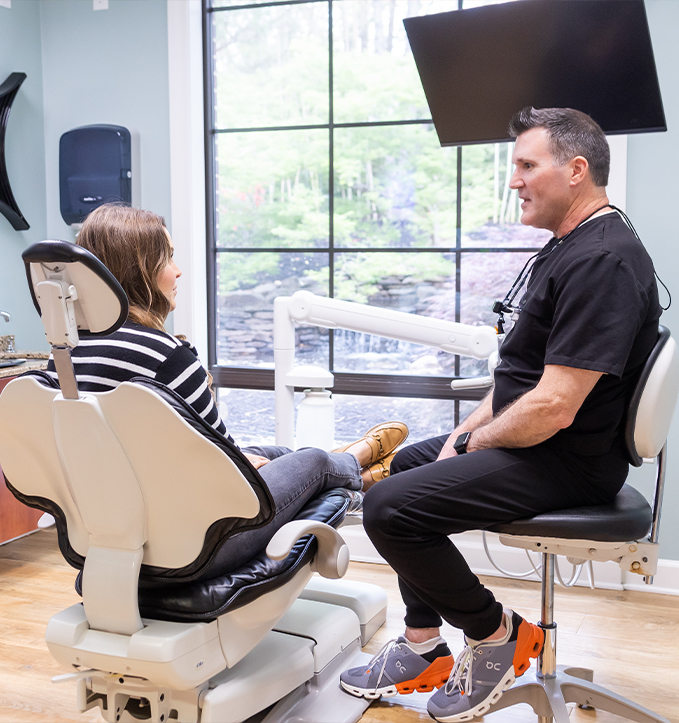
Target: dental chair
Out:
[144,494]
[624,531]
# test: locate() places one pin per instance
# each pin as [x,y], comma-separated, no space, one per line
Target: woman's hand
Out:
[256,461]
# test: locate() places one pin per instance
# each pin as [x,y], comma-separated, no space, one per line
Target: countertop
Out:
[34,360]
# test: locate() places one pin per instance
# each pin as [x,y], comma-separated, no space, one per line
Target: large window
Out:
[327,175]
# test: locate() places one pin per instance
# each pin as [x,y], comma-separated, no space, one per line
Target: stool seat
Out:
[627,517]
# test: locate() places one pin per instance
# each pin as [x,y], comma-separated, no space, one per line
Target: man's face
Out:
[543,187]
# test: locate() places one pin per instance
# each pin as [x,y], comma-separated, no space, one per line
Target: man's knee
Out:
[377,512]
[405,458]
[417,455]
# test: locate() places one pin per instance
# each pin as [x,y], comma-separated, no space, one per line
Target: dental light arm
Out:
[304,307]
[455,338]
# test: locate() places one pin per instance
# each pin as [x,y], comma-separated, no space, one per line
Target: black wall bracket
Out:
[8,206]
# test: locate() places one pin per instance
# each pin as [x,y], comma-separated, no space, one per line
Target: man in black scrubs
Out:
[547,437]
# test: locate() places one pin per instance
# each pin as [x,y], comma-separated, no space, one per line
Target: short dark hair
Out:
[571,133]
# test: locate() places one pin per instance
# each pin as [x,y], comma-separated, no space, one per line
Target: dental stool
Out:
[617,531]
[144,494]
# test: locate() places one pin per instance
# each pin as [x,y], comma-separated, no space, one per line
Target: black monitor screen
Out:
[480,66]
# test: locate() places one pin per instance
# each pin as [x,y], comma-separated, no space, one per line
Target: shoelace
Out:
[386,650]
[461,669]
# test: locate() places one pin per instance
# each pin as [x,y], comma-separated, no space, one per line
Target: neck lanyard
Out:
[506,306]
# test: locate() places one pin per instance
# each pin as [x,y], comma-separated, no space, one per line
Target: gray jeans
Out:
[293,479]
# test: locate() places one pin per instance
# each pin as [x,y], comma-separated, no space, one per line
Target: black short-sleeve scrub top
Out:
[591,302]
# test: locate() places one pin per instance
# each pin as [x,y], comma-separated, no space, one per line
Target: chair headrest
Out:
[74,293]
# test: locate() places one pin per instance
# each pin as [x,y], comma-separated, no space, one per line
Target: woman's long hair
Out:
[134,246]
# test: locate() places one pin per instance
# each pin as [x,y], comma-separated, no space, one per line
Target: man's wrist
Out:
[461,445]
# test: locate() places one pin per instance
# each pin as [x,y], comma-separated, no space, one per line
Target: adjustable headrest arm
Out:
[76,295]
[65,371]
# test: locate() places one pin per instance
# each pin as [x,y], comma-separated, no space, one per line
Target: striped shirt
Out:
[101,363]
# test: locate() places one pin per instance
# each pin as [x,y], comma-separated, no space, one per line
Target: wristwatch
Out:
[461,442]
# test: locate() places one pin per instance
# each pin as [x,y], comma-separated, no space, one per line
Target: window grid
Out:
[244,377]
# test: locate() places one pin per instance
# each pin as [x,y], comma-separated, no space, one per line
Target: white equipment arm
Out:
[304,307]
[450,336]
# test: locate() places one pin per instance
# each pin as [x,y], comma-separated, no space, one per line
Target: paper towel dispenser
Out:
[95,167]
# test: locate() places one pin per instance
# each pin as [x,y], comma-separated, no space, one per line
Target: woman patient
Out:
[136,247]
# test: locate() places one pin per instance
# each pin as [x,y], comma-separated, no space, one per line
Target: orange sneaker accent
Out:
[434,676]
[529,644]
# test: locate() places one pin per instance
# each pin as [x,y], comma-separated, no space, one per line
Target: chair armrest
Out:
[332,557]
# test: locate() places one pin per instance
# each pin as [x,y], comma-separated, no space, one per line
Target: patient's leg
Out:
[269,451]
[293,480]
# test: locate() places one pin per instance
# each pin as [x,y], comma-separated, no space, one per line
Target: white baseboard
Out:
[607,575]
[665,581]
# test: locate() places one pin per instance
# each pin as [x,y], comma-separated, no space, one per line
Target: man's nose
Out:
[515,181]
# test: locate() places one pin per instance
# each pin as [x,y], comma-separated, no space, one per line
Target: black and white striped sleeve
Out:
[183,373]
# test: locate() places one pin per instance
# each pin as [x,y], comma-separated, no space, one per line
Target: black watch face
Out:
[460,445]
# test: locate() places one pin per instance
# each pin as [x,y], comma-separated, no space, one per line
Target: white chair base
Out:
[292,674]
[548,696]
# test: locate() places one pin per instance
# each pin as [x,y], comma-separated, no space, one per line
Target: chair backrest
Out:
[124,468]
[653,401]
[130,482]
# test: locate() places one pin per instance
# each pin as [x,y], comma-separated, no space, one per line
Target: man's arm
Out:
[534,417]
[540,413]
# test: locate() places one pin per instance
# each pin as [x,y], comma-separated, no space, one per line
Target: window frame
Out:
[385,385]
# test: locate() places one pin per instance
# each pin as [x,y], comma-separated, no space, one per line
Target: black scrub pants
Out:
[409,516]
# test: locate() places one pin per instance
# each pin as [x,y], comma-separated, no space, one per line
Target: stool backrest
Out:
[653,401]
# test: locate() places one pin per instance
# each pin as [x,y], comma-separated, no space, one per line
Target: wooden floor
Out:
[630,640]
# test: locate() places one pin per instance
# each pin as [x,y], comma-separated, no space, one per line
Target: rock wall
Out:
[245,319]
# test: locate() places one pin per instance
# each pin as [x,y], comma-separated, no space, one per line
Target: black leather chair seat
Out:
[627,517]
[207,600]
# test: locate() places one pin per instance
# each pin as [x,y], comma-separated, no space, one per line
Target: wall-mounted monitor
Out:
[481,65]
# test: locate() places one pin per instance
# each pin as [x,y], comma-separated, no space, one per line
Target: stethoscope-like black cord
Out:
[506,305]
[625,218]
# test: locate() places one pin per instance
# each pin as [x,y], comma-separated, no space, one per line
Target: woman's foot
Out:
[376,472]
[377,443]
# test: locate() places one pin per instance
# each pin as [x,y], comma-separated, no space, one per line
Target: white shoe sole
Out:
[387,692]
[484,706]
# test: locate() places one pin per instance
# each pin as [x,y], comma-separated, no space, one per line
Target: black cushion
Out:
[206,600]
[627,517]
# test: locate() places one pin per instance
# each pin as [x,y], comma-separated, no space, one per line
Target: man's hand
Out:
[448,450]
[256,461]
[480,416]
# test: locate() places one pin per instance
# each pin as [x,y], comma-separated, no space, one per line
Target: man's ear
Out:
[579,170]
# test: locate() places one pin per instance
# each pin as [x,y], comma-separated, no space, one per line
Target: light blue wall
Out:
[25,148]
[653,205]
[83,67]
[107,66]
